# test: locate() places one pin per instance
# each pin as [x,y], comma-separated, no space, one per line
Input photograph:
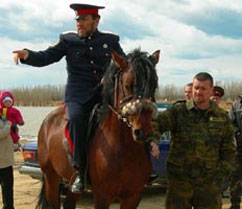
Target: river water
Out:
[33,117]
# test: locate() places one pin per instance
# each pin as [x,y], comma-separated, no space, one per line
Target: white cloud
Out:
[185,49]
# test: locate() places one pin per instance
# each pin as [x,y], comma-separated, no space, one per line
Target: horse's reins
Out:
[119,84]
[120,117]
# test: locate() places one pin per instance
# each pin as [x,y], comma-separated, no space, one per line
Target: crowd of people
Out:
[202,148]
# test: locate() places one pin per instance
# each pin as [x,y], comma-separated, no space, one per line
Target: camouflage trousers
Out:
[192,188]
[236,185]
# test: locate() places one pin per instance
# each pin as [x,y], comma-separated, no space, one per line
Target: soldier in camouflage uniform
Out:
[218,93]
[235,115]
[201,148]
[188,91]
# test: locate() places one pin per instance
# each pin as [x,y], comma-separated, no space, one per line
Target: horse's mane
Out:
[145,79]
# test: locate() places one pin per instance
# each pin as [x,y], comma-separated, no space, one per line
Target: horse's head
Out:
[134,84]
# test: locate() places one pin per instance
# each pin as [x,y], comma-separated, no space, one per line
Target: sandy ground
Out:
[26,191]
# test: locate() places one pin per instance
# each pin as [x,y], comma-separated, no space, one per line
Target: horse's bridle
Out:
[127,104]
[114,108]
[120,117]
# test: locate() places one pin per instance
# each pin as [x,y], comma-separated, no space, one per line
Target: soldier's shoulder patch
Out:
[216,119]
[69,32]
[108,32]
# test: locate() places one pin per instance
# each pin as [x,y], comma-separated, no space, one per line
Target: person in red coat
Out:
[12,114]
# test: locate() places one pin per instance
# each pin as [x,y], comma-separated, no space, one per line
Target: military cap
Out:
[218,91]
[82,10]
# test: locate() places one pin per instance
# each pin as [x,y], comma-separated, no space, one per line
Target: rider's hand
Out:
[20,54]
[155,151]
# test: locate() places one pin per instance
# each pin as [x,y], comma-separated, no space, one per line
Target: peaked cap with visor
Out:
[218,91]
[82,10]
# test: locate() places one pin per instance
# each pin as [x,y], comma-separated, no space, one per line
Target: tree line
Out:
[46,95]
[232,89]
[52,95]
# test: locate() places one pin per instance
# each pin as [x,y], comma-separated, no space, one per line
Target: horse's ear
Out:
[155,57]
[119,60]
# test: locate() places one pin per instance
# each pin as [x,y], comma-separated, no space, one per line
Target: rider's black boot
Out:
[78,184]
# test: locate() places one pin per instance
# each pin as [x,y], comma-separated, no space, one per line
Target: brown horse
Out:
[118,158]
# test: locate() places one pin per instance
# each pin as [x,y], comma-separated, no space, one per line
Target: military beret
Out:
[218,91]
[82,10]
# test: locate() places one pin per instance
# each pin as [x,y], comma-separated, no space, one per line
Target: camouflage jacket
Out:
[235,114]
[205,138]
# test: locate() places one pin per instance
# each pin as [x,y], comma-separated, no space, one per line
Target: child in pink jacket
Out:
[12,114]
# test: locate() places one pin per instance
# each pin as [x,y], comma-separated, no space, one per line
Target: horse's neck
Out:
[115,129]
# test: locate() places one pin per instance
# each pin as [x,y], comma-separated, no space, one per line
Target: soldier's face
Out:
[86,25]
[201,92]
[216,99]
[188,92]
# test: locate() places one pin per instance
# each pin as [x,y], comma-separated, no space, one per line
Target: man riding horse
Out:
[87,53]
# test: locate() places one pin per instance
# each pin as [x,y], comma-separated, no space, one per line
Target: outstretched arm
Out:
[20,54]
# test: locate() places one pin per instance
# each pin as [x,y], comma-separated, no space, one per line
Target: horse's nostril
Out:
[138,133]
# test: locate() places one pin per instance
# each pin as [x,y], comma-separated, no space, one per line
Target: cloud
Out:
[131,29]
[192,35]
[33,21]
[215,17]
[223,22]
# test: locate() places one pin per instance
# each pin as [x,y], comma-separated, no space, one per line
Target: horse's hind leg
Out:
[52,181]
[131,202]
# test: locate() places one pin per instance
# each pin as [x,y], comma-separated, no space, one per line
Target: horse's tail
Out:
[42,202]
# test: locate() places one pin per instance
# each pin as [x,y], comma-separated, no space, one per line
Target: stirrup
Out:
[77,187]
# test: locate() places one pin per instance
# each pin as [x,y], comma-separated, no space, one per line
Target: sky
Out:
[192,35]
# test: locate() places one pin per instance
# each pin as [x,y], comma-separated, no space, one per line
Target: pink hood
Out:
[3,94]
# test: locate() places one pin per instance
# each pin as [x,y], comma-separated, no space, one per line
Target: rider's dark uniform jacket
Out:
[86,61]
